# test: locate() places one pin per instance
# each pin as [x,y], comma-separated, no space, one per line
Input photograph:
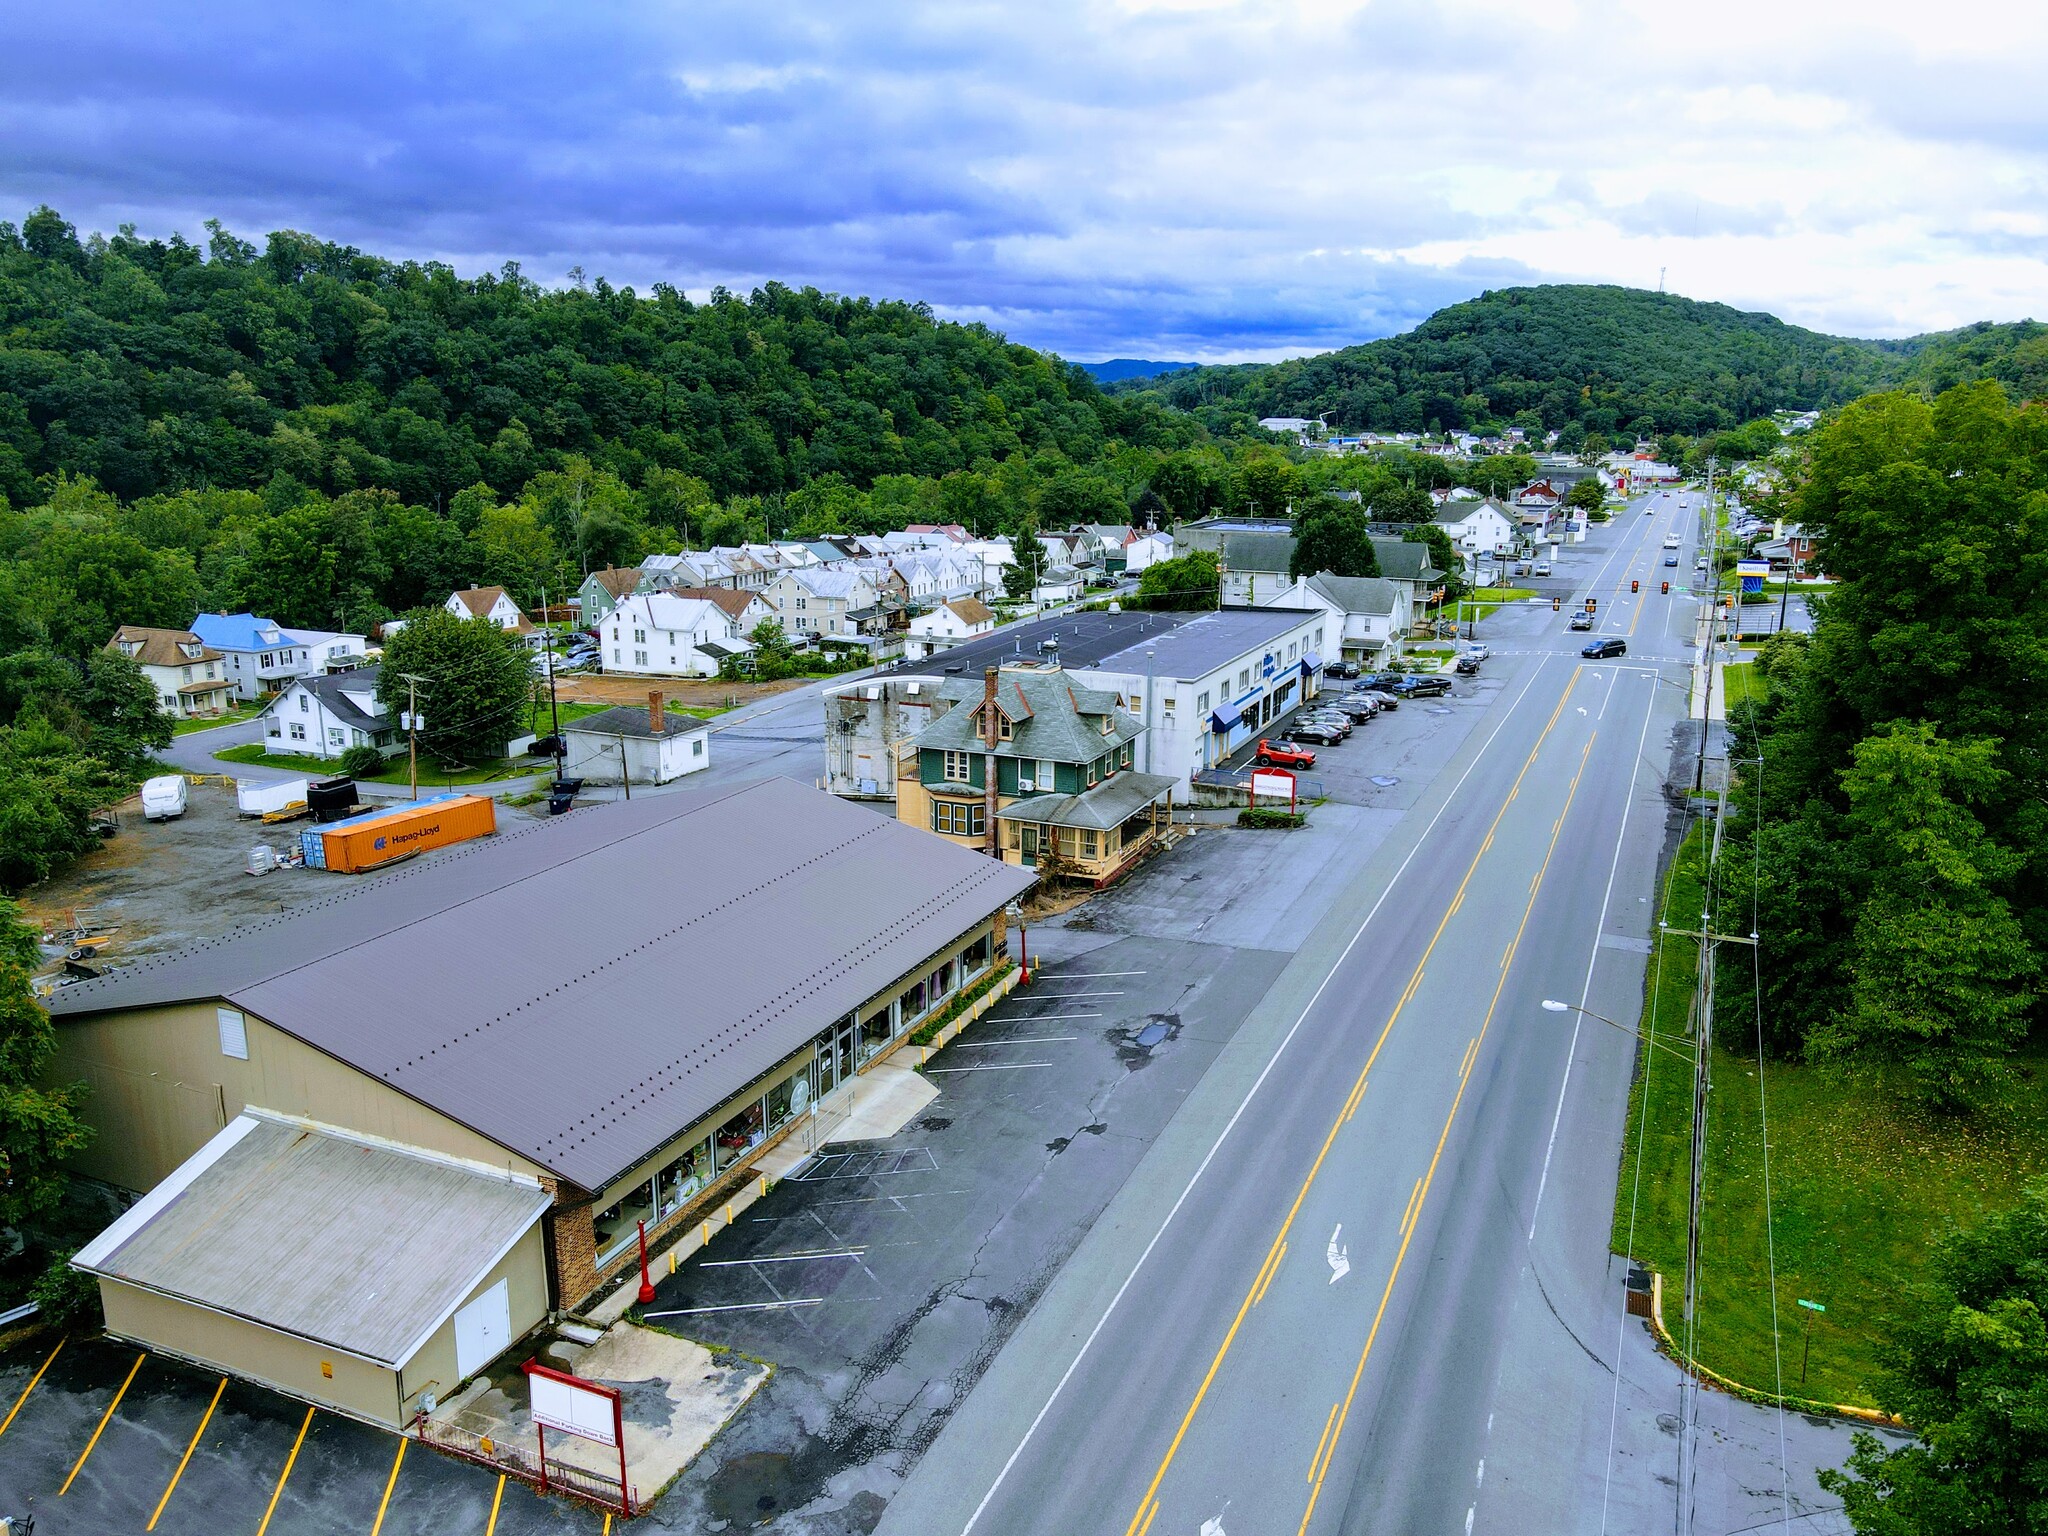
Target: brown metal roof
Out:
[581,989]
[159,647]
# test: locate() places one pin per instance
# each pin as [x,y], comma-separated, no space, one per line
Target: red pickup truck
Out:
[1283,754]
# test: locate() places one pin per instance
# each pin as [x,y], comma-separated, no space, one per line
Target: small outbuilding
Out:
[645,746]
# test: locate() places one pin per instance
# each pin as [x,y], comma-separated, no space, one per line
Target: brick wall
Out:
[572,1245]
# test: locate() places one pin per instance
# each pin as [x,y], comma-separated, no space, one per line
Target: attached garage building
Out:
[358,1119]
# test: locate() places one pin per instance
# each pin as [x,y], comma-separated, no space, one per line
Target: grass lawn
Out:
[238,713]
[1486,599]
[541,721]
[1739,681]
[431,774]
[1860,1185]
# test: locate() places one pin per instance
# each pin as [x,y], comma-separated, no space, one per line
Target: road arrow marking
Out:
[1214,1527]
[1340,1266]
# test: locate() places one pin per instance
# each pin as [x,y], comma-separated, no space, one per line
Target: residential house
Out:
[1478,528]
[1793,549]
[1209,685]
[1058,584]
[745,609]
[1368,614]
[495,604]
[1408,564]
[947,625]
[188,676]
[1029,758]
[820,601]
[324,716]
[262,657]
[661,634]
[602,591]
[1145,550]
[654,745]
[432,1113]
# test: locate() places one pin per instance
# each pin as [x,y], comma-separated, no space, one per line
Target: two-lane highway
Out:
[1294,1320]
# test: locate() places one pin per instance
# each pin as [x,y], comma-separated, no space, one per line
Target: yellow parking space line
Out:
[102,1427]
[172,1486]
[31,1385]
[391,1482]
[285,1476]
[496,1499]
[607,1523]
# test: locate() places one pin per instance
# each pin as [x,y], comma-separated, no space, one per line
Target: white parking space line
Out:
[1089,975]
[1064,997]
[741,1306]
[1022,1040]
[1008,1066]
[1045,1018]
[781,1258]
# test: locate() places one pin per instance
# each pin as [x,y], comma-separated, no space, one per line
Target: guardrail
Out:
[605,1490]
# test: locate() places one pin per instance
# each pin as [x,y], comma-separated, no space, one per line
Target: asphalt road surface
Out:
[1309,1308]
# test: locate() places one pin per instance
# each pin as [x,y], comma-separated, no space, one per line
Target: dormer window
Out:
[1003,728]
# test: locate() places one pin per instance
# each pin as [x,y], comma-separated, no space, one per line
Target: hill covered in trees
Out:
[1598,359]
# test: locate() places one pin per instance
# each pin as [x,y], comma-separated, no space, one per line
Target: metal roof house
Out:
[507,1018]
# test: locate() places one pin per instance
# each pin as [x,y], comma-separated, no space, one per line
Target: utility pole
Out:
[1710,541]
[625,769]
[412,680]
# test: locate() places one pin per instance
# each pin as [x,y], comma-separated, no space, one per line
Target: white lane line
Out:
[781,1258]
[740,1306]
[1021,1040]
[1586,991]
[1008,1066]
[1245,1103]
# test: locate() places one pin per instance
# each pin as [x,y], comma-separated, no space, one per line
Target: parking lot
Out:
[99,1437]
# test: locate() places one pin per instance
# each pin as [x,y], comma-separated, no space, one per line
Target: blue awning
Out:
[1225,719]
[1311,662]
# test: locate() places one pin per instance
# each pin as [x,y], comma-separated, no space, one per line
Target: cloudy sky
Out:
[1151,178]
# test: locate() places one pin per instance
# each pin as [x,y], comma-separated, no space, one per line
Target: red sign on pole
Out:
[590,1410]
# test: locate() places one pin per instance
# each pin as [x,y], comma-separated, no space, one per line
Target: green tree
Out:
[1330,535]
[39,1124]
[1967,1366]
[1190,581]
[1399,502]
[472,688]
[1443,554]
[49,789]
[1265,484]
[774,657]
[1587,495]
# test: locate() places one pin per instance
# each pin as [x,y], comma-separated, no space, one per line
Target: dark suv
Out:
[1608,647]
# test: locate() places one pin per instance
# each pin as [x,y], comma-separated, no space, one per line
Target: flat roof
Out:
[1084,639]
[363,1246]
[1207,641]
[581,989]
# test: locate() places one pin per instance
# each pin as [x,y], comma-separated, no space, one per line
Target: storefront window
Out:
[974,959]
[874,1034]
[914,1001]
[618,1224]
[681,1180]
[788,1099]
[740,1135]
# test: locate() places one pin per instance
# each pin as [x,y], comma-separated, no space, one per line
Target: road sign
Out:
[1811,1306]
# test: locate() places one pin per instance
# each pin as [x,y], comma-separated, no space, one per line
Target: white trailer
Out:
[163,798]
[260,797]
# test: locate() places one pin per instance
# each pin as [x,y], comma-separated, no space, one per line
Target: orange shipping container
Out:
[372,840]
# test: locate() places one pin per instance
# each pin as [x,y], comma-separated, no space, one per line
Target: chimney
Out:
[656,719]
[988,707]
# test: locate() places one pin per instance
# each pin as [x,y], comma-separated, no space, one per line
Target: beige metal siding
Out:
[524,1270]
[161,1088]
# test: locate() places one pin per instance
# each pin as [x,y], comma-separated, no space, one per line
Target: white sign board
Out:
[1277,782]
[573,1408]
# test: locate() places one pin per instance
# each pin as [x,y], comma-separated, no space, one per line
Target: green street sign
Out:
[1812,1306]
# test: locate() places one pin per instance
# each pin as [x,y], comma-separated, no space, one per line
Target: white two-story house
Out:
[662,634]
[325,716]
[820,601]
[495,604]
[261,657]
[947,625]
[189,676]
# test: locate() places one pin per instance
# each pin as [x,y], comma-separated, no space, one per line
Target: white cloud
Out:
[1154,177]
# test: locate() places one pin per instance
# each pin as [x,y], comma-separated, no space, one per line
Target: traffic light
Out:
[1592,605]
[1635,586]
[1667,589]
[1556,603]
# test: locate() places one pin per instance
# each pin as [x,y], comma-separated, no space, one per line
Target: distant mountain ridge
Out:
[1119,369]
[1612,359]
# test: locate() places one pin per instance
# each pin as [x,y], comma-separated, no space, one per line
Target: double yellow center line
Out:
[1148,1506]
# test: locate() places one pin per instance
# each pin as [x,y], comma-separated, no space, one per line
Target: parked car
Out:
[1478,651]
[1542,568]
[1468,666]
[1340,669]
[1611,646]
[1377,680]
[1325,731]
[1582,620]
[1359,706]
[1414,685]
[1381,697]
[1283,754]
[1335,718]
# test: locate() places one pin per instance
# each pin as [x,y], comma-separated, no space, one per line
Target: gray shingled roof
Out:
[631,720]
[1404,561]
[581,989]
[1207,641]
[1109,804]
[1052,716]
[257,1232]
[1357,594]
[333,690]
[1257,551]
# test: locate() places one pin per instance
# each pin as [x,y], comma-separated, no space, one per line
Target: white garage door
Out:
[483,1330]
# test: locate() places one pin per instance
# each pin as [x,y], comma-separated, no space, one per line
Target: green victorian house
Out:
[1028,760]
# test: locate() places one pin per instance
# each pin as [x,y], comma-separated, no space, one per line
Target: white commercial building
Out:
[1214,683]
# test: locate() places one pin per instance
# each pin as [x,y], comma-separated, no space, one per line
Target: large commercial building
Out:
[383,1135]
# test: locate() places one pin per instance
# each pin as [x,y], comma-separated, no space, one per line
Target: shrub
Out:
[1263,818]
[67,1298]
[362,762]
[928,1031]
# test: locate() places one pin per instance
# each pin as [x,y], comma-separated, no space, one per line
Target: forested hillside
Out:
[1594,359]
